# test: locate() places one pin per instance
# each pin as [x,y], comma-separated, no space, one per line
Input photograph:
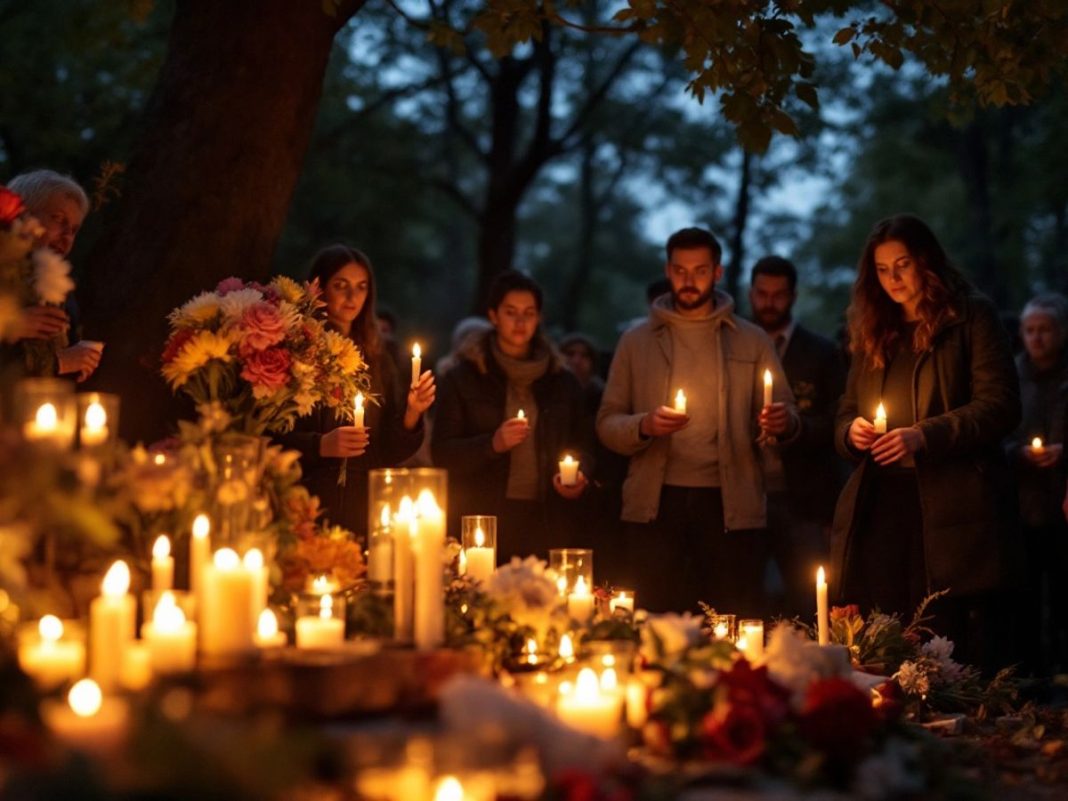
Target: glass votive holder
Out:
[320,621]
[380,557]
[570,565]
[52,651]
[622,600]
[98,419]
[751,639]
[46,411]
[479,541]
[722,627]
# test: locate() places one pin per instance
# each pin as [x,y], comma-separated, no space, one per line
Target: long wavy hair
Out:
[323,266]
[876,321]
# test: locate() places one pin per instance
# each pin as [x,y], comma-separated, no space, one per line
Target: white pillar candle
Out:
[768,393]
[588,708]
[226,622]
[162,564]
[136,667]
[380,550]
[322,630]
[44,425]
[253,562]
[199,555]
[48,658]
[580,601]
[87,721]
[680,402]
[417,363]
[520,415]
[751,639]
[403,571]
[567,648]
[428,546]
[481,561]
[171,639]
[267,633]
[880,420]
[822,615]
[357,414]
[622,599]
[94,430]
[112,621]
[569,471]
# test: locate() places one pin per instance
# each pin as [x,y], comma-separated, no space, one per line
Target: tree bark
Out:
[210,181]
[974,164]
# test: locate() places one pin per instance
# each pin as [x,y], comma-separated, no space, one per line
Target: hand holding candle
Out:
[768,392]
[357,415]
[511,432]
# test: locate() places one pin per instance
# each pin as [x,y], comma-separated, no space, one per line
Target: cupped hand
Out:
[773,419]
[79,358]
[344,442]
[663,420]
[1046,456]
[510,433]
[421,394]
[41,322]
[861,434]
[574,491]
[897,444]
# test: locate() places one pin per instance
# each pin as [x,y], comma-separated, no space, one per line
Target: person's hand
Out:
[773,419]
[1046,456]
[510,433]
[344,442]
[861,434]
[897,444]
[575,490]
[663,420]
[421,396]
[81,358]
[41,322]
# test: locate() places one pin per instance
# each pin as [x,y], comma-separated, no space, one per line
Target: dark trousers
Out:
[686,556]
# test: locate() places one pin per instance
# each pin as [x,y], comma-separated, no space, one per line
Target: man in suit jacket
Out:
[801,507]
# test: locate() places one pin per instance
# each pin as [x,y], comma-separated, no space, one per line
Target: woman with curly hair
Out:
[921,511]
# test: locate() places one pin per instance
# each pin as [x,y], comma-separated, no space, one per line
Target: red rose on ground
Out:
[267,371]
[11,206]
[735,733]
[888,701]
[175,343]
[837,718]
[753,687]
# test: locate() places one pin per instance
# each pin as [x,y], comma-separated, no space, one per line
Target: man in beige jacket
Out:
[693,499]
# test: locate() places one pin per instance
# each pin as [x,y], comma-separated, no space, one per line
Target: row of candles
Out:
[52,414]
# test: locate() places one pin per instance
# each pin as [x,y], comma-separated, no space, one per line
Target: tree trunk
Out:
[589,214]
[210,180]
[741,220]
[974,166]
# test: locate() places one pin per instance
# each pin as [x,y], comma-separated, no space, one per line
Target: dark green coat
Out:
[966,398]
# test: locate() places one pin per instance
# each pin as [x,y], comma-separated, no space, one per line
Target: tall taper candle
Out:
[417,363]
[112,621]
[823,623]
[199,555]
[767,388]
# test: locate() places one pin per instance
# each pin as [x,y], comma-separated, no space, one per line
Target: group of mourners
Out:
[734,491]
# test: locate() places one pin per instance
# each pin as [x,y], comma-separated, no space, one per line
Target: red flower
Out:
[228,285]
[753,687]
[888,701]
[175,343]
[11,206]
[267,370]
[735,733]
[845,612]
[837,718]
[262,326]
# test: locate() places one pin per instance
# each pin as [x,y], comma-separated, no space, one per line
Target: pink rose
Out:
[267,370]
[11,206]
[263,327]
[228,285]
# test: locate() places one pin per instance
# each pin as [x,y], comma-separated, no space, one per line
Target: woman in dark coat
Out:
[498,463]
[393,427]
[925,509]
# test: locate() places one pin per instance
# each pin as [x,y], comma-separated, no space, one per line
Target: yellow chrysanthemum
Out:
[198,351]
[345,353]
[198,311]
[288,289]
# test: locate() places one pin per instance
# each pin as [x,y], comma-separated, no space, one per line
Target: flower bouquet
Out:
[261,353]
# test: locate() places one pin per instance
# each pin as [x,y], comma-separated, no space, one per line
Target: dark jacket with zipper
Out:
[966,398]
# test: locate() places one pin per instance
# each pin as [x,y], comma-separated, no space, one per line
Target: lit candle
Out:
[880,419]
[567,648]
[88,721]
[50,659]
[136,667]
[171,639]
[162,564]
[767,388]
[253,562]
[45,424]
[403,571]
[751,639]
[822,616]
[112,621]
[226,622]
[637,700]
[428,546]
[267,633]
[94,429]
[357,415]
[1036,445]
[721,631]
[580,601]
[417,363]
[322,631]
[199,555]
[480,559]
[680,402]
[587,707]
[623,599]
[380,552]
[532,651]
[568,471]
[520,415]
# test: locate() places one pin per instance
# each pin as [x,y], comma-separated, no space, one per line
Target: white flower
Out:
[794,661]
[200,309]
[940,651]
[51,276]
[667,637]
[913,679]
[892,773]
[233,304]
[526,590]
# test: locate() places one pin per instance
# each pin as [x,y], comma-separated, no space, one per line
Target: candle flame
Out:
[322,584]
[95,416]
[821,577]
[480,538]
[521,415]
[880,412]
[201,526]
[161,548]
[568,460]
[47,418]
[567,647]
[267,625]
[227,559]
[587,686]
[383,518]
[608,660]
[609,680]
[159,459]
[417,352]
[580,587]
[85,698]
[407,509]
[561,585]
[767,377]
[427,505]
[449,789]
[253,559]
[741,643]
[117,580]
[1036,443]
[168,617]
[721,631]
[50,628]
[680,400]
[326,607]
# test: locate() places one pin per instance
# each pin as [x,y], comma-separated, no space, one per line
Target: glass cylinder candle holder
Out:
[570,565]
[380,551]
[320,621]
[722,627]
[237,464]
[751,639]
[46,411]
[479,540]
[621,600]
[98,419]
